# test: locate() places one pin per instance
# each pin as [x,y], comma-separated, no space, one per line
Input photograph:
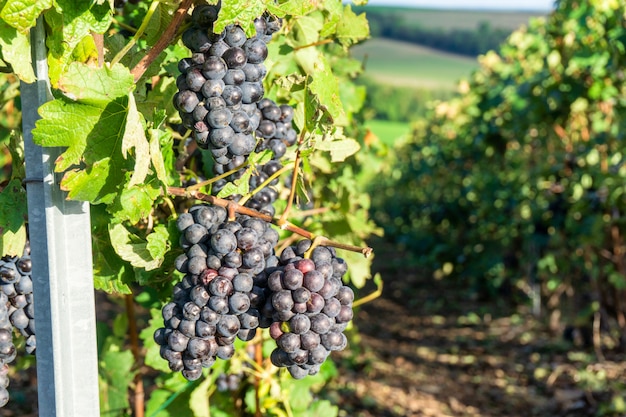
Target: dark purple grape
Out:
[218,48]
[219,118]
[213,88]
[232,95]
[254,72]
[222,137]
[186,101]
[320,323]
[235,58]
[196,40]
[235,36]
[194,79]
[195,233]
[256,50]
[234,77]
[239,303]
[205,15]
[266,129]
[214,68]
[242,144]
[251,92]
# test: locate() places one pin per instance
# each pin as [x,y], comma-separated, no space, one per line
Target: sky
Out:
[535,5]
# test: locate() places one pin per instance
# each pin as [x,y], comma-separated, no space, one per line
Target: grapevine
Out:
[234,283]
[207,134]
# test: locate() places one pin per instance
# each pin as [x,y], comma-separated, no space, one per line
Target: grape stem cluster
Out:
[282,223]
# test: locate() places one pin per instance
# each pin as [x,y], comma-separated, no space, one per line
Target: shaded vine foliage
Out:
[113,73]
[518,181]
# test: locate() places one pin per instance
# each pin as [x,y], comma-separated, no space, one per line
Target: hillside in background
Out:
[406,64]
[463,32]
[419,55]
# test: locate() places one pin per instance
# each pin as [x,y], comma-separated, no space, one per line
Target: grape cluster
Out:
[310,308]
[220,84]
[224,286]
[17,284]
[7,348]
[228,382]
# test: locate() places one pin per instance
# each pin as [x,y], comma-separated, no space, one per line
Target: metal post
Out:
[60,237]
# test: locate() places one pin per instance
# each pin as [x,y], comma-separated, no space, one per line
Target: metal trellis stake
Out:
[60,238]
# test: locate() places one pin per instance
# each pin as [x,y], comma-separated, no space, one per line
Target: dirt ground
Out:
[428,350]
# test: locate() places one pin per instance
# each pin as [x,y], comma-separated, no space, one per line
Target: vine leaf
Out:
[23,14]
[109,271]
[12,47]
[69,24]
[12,217]
[140,253]
[339,149]
[352,28]
[326,87]
[239,12]
[97,120]
[294,8]
[135,137]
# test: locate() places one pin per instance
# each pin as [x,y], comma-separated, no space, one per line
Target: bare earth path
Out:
[427,350]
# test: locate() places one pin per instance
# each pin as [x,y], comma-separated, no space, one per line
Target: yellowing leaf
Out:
[135,137]
[339,149]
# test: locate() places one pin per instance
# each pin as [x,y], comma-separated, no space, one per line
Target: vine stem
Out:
[217,178]
[264,184]
[182,192]
[258,358]
[168,36]
[146,20]
[292,192]
[134,347]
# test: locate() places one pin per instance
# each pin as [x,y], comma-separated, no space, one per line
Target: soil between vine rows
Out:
[427,350]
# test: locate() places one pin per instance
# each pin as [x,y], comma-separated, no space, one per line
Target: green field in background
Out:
[456,19]
[388,132]
[406,64]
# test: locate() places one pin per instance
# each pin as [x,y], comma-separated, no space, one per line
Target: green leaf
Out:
[156,156]
[135,203]
[135,137]
[90,121]
[96,86]
[13,215]
[326,86]
[240,186]
[15,49]
[110,271]
[323,408]
[69,23]
[352,28]
[22,14]
[339,149]
[307,30]
[239,12]
[132,249]
[157,398]
[293,8]
[158,242]
[116,371]
[199,399]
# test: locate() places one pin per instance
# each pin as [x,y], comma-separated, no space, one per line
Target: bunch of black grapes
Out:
[224,263]
[221,83]
[17,310]
[310,308]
